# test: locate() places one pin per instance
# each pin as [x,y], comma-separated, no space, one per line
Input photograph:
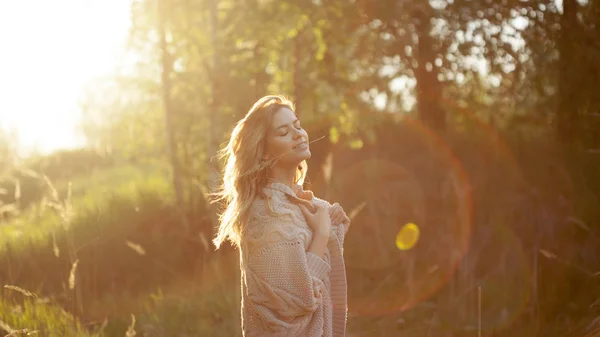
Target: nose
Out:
[298,133]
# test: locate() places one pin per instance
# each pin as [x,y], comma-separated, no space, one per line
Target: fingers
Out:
[333,209]
[319,207]
[310,212]
[336,212]
[305,211]
[333,214]
[338,215]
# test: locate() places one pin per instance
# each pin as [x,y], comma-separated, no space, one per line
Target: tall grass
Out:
[37,317]
[120,238]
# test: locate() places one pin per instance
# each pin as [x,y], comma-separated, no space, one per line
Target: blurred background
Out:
[461,136]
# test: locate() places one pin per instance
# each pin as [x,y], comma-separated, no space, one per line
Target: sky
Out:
[50,49]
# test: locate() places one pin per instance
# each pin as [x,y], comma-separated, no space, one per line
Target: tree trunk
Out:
[215,135]
[213,142]
[567,114]
[166,69]
[297,47]
[428,86]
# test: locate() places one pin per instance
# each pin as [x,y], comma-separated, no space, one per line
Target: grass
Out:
[89,194]
[100,252]
[111,239]
[28,317]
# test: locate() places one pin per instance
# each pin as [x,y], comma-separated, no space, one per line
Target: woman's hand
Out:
[337,215]
[319,221]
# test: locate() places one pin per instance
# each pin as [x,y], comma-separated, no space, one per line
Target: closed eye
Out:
[296,125]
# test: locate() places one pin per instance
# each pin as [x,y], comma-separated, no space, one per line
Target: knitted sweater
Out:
[287,291]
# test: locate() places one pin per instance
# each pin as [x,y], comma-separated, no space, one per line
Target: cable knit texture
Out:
[287,291]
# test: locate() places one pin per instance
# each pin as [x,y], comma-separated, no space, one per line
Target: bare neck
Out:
[283,175]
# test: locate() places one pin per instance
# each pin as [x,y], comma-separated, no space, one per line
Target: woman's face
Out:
[286,138]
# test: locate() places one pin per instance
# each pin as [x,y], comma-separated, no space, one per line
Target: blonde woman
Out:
[290,242]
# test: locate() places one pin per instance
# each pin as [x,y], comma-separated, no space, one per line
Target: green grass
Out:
[123,233]
[89,194]
[35,317]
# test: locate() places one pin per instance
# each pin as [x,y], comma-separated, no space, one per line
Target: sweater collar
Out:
[281,187]
[298,195]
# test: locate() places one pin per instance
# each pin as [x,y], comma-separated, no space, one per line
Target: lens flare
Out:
[407,237]
[418,176]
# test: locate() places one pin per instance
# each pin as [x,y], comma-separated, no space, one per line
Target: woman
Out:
[293,273]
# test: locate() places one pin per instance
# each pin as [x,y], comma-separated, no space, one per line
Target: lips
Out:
[300,146]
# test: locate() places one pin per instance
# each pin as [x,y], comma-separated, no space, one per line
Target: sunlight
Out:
[50,50]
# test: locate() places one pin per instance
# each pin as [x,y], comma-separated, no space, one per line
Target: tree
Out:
[8,150]
[166,69]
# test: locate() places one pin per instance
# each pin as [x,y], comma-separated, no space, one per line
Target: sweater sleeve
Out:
[285,283]
[340,231]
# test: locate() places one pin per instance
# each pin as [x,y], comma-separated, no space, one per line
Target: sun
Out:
[50,50]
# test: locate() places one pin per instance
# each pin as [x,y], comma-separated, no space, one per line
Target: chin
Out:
[306,155]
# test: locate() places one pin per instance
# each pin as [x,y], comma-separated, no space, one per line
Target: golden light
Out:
[407,237]
[50,50]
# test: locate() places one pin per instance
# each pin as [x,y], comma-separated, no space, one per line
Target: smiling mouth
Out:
[300,146]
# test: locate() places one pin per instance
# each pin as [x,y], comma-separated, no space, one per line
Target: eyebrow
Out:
[284,125]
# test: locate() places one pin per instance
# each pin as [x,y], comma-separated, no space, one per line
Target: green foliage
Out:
[90,192]
[125,235]
[25,185]
[36,318]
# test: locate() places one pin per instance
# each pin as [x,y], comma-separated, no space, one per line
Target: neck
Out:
[284,175]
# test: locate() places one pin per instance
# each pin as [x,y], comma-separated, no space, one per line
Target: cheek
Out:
[277,145]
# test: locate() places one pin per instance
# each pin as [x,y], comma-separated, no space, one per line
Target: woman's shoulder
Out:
[258,207]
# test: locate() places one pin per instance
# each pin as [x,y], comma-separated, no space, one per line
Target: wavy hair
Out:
[245,172]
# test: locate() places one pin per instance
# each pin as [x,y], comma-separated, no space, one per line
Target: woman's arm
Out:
[318,245]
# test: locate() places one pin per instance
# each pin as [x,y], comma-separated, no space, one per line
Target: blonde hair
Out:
[245,172]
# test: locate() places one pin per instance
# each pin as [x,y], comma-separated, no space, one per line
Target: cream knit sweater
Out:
[287,291]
